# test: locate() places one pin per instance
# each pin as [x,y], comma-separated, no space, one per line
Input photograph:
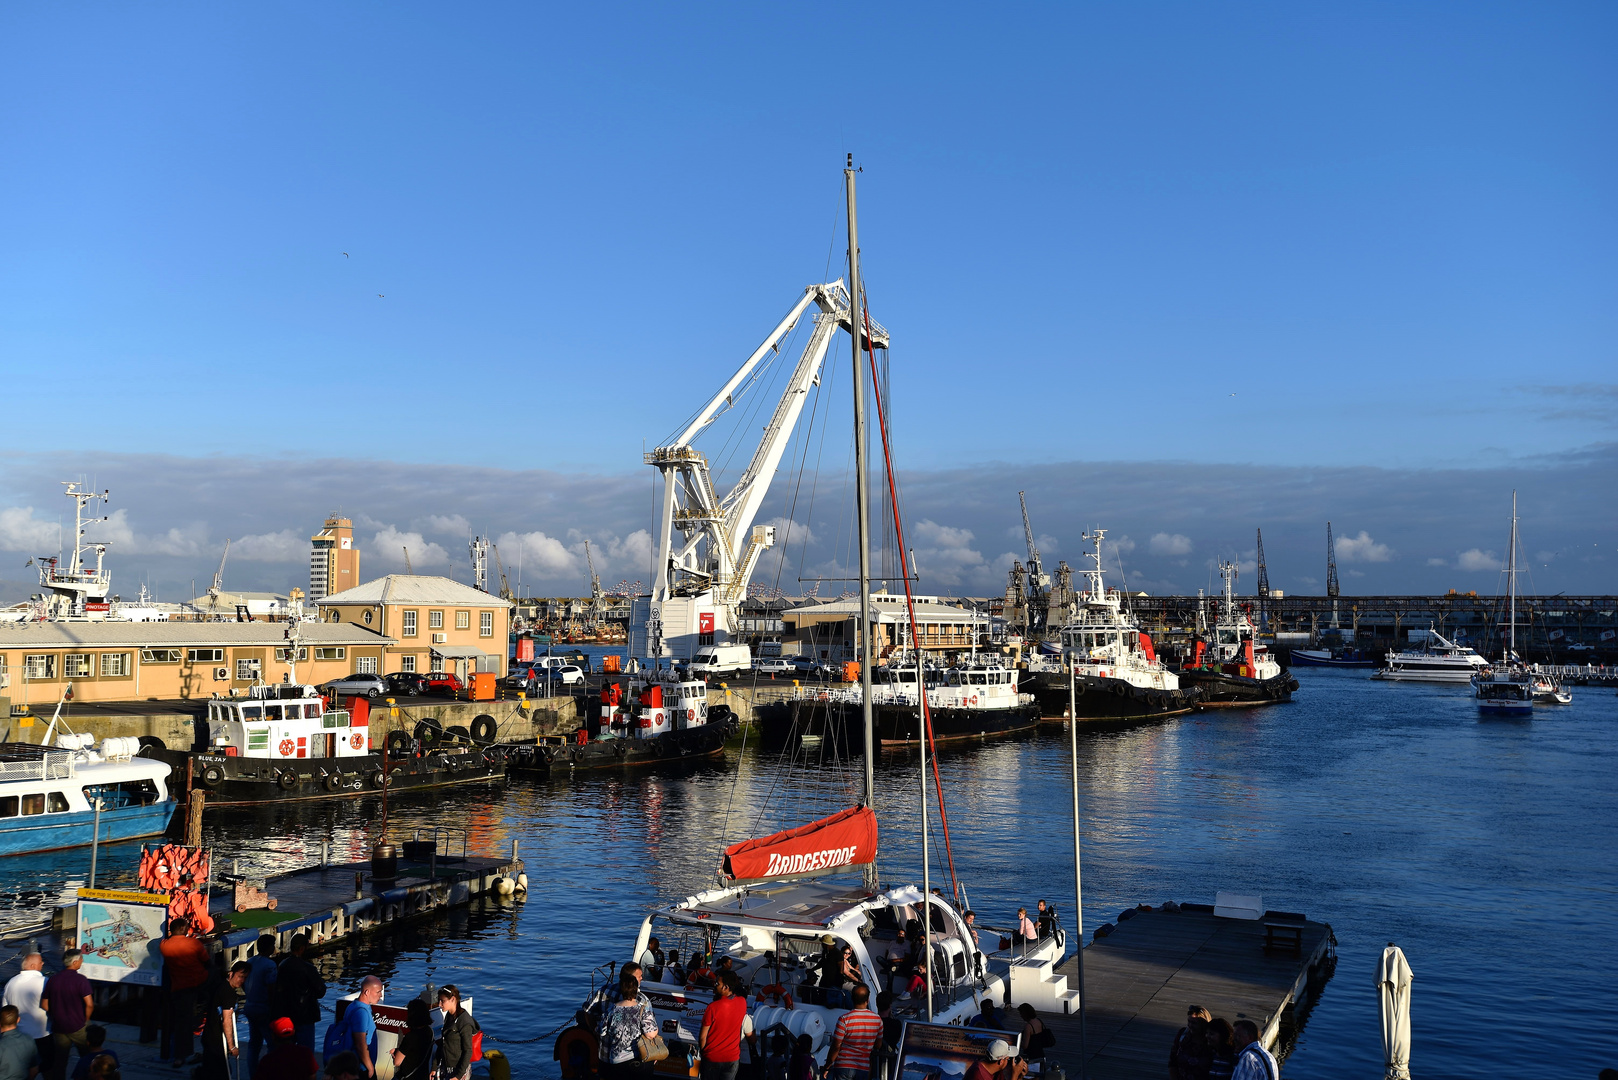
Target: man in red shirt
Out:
[855,1036]
[720,1041]
[187,961]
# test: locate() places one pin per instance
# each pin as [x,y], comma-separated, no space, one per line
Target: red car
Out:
[444,681]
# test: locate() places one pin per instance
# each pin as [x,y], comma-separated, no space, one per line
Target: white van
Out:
[721,660]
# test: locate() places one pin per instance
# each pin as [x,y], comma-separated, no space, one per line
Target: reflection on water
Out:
[1484,848]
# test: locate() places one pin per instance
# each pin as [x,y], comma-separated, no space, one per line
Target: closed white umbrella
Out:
[1393,977]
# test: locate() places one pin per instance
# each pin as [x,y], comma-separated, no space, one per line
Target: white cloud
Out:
[1356,573]
[632,555]
[288,545]
[20,530]
[1437,562]
[1362,548]
[453,524]
[1474,559]
[541,555]
[1170,544]
[1247,566]
[1123,543]
[789,531]
[389,544]
[1544,556]
[945,554]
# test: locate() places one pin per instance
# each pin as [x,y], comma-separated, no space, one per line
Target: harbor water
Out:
[1485,849]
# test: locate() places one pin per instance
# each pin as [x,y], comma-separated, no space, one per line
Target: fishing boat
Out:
[1230,666]
[73,793]
[1107,668]
[282,742]
[1507,689]
[1438,660]
[780,919]
[650,721]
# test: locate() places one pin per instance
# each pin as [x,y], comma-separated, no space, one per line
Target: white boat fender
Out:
[522,882]
[504,886]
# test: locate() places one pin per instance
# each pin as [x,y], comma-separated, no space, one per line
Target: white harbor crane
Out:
[700,577]
[219,575]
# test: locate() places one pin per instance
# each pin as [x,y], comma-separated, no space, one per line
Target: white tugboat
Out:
[1232,669]
[1117,675]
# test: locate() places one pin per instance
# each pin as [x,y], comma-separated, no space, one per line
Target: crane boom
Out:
[704,571]
[1034,568]
[219,574]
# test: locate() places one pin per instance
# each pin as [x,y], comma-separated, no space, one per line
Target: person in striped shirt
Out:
[855,1036]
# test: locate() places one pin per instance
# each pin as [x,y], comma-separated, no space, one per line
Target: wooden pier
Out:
[1140,980]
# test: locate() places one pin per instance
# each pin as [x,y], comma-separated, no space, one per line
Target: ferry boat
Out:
[280,743]
[48,794]
[638,723]
[1335,658]
[1439,660]
[1116,672]
[1503,692]
[1233,670]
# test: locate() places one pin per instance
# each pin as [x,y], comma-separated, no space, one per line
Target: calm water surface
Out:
[1487,850]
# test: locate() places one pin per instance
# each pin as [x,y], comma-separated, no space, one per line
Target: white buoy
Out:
[504,886]
[522,882]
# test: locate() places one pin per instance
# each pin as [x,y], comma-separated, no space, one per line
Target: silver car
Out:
[370,686]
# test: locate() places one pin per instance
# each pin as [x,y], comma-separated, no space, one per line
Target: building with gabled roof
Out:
[436,623]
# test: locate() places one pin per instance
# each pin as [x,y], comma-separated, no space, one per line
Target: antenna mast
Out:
[479,550]
[861,483]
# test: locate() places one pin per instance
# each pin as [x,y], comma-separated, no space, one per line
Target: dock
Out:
[1140,979]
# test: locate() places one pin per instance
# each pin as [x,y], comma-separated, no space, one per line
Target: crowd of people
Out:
[43,1019]
[1212,1048]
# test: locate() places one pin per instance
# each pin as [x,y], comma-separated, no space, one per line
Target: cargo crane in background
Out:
[1263,586]
[500,567]
[1038,582]
[219,575]
[707,544]
[1331,576]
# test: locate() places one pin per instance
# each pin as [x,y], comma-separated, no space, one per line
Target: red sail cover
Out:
[844,839]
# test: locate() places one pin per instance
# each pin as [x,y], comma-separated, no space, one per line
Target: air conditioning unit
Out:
[5,680]
[439,639]
[221,674]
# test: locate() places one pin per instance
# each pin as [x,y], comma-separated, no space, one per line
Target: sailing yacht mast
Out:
[861,495]
[1511,585]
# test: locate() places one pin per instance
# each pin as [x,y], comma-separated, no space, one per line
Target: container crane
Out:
[1263,586]
[500,567]
[1038,581]
[707,545]
[1331,575]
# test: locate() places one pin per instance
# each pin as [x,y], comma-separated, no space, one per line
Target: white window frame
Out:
[39,666]
[407,663]
[463,620]
[437,665]
[78,665]
[161,656]
[408,625]
[114,665]
[282,654]
[205,656]
[485,624]
[365,665]
[332,652]
[435,620]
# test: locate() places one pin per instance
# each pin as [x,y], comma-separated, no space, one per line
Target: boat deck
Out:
[1140,980]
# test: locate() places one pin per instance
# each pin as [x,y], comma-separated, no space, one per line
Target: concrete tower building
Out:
[334,561]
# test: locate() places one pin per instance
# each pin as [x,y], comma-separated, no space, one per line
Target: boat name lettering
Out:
[809,860]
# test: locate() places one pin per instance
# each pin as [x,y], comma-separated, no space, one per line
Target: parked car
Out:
[812,669]
[407,683]
[776,665]
[521,674]
[713,660]
[445,681]
[567,674]
[370,686]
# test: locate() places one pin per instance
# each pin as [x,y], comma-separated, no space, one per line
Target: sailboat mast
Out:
[861,480]
[1511,583]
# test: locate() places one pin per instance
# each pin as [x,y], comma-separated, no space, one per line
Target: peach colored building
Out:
[432,623]
[161,661]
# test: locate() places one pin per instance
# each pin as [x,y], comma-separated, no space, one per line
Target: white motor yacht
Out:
[1439,660]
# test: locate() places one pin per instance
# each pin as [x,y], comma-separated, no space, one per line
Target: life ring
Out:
[332,782]
[212,776]
[287,747]
[579,1053]
[484,728]
[287,779]
[356,740]
[778,993]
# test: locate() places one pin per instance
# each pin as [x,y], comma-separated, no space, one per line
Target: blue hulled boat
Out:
[48,794]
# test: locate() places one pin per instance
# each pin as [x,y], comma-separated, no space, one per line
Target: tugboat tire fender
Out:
[287,779]
[429,730]
[212,776]
[452,762]
[458,732]
[332,782]
[621,748]
[483,728]
[379,779]
[398,744]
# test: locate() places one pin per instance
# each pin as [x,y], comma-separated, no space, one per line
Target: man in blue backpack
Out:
[359,1026]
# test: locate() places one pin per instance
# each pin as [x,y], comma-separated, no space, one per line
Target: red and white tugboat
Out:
[1233,670]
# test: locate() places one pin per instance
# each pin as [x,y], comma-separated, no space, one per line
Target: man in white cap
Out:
[1000,1066]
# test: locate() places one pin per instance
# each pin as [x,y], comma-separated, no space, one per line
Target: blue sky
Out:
[1330,237]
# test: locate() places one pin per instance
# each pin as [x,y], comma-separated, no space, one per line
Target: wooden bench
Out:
[1283,931]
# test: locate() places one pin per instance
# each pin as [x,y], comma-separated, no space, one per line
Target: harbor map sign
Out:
[119,933]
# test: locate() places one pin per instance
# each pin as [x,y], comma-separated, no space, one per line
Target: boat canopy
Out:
[830,845]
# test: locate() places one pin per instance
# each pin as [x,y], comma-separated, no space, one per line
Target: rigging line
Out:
[808,434]
[924,709]
[828,385]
